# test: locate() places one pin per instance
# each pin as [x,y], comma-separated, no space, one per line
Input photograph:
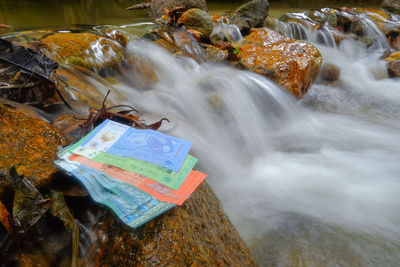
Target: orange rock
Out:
[87,50]
[378,16]
[198,233]
[28,143]
[292,64]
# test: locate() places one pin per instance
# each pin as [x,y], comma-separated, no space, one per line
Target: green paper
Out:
[157,173]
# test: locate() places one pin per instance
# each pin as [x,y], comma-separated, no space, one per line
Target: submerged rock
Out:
[330,74]
[198,233]
[251,15]
[28,143]
[393,6]
[199,20]
[292,64]
[87,50]
[157,6]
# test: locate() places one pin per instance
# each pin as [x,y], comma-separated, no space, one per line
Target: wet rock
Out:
[178,41]
[29,260]
[157,6]
[272,23]
[393,56]
[117,36]
[87,50]
[393,6]
[198,233]
[251,15]
[330,74]
[387,53]
[394,68]
[393,36]
[29,110]
[216,54]
[335,25]
[324,16]
[198,20]
[69,126]
[292,64]
[28,143]
[377,16]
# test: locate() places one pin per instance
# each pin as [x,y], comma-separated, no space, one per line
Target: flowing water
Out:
[314,182]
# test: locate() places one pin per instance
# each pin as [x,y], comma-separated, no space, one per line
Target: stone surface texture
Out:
[28,143]
[198,233]
[87,50]
[392,6]
[197,19]
[292,64]
[250,15]
[394,68]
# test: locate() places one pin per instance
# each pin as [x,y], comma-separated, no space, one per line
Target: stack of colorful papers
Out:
[139,174]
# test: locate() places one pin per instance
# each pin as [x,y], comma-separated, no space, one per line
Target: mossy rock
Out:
[199,20]
[393,6]
[30,144]
[291,63]
[87,50]
[198,233]
[250,15]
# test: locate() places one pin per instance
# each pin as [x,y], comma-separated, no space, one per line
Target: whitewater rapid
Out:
[315,181]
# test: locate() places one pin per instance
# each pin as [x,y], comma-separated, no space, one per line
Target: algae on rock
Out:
[292,64]
[87,50]
[198,233]
[29,144]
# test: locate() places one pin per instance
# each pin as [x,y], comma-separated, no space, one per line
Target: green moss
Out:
[84,49]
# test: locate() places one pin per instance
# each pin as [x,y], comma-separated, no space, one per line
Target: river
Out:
[314,182]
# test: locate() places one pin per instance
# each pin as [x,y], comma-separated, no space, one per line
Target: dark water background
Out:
[29,14]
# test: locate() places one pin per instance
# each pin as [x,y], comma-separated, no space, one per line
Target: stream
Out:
[310,182]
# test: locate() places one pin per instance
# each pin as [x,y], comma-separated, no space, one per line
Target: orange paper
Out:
[148,185]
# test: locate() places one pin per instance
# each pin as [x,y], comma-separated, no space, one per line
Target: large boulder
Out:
[157,6]
[28,143]
[199,20]
[292,64]
[87,50]
[392,6]
[198,233]
[251,15]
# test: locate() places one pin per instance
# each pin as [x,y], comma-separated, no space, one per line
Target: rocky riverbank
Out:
[197,233]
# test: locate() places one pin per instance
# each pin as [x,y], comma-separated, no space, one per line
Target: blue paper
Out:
[133,206]
[147,145]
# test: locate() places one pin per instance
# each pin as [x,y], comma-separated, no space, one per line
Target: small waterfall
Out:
[274,162]
[229,31]
[318,27]
[290,174]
